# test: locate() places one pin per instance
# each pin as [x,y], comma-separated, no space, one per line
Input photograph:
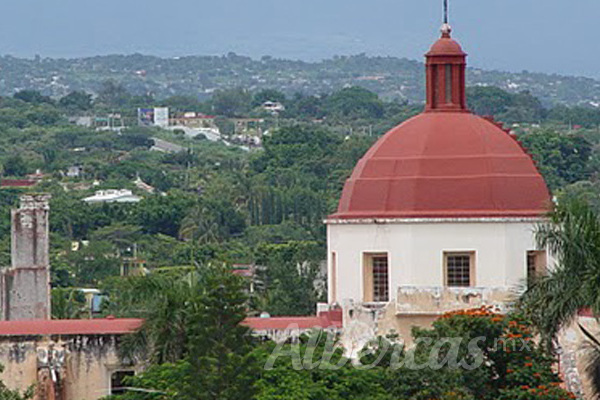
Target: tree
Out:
[113,94]
[507,107]
[562,158]
[76,101]
[183,103]
[327,381]
[290,278]
[573,236]
[306,106]
[33,97]
[93,263]
[163,214]
[488,100]
[212,220]
[15,165]
[163,300]
[193,323]
[232,102]
[491,359]
[220,356]
[355,102]
[68,303]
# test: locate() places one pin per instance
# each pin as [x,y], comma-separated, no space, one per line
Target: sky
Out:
[553,36]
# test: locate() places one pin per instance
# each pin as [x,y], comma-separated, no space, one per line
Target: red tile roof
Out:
[325,320]
[17,183]
[109,326]
[113,326]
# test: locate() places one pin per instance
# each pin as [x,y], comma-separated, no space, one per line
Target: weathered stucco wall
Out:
[415,250]
[25,287]
[574,350]
[81,365]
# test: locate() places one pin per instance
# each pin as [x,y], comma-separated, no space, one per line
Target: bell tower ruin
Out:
[25,286]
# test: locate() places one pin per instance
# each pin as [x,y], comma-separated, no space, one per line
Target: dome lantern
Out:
[446,67]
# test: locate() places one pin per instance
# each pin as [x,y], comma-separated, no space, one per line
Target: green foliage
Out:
[231,102]
[291,278]
[68,303]
[183,104]
[32,96]
[288,379]
[193,320]
[163,214]
[15,165]
[354,102]
[585,116]
[507,107]
[8,394]
[76,101]
[562,158]
[93,263]
[573,236]
[113,95]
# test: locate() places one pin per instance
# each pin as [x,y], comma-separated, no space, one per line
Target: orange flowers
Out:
[483,311]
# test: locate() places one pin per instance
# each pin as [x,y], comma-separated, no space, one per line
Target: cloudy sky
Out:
[537,35]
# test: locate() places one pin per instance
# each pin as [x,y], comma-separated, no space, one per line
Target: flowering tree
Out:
[511,365]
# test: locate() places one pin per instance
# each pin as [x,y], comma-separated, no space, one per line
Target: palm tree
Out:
[553,301]
[572,236]
[199,226]
[162,300]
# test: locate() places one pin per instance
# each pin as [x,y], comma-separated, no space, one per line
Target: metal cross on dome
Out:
[445,11]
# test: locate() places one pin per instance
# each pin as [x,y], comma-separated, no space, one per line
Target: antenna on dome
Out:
[445,12]
[446,29]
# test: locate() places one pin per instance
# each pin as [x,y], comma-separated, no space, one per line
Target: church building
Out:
[438,215]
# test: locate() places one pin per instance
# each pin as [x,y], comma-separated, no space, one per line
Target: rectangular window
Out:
[459,269]
[376,278]
[536,265]
[380,279]
[448,83]
[117,384]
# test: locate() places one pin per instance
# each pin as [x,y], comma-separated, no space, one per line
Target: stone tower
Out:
[25,286]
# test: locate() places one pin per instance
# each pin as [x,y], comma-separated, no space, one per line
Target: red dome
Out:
[446,46]
[445,165]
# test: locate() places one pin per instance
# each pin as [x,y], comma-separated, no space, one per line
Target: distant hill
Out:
[201,75]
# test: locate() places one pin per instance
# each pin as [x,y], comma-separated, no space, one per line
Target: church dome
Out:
[445,165]
[445,162]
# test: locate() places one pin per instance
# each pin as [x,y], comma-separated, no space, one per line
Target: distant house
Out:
[85,121]
[273,106]
[75,171]
[248,272]
[193,120]
[37,176]
[113,196]
[140,184]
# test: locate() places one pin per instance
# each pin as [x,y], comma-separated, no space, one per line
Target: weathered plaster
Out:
[80,366]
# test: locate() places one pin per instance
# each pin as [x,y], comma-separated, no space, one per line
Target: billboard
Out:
[153,117]
[161,117]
